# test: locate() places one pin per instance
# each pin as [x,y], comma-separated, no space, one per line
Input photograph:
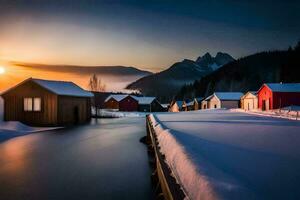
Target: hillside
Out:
[107,70]
[248,74]
[167,83]
[115,78]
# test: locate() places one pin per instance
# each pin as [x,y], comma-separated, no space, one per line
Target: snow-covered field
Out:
[13,129]
[219,154]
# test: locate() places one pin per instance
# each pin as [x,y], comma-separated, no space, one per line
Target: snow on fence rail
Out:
[182,168]
[218,154]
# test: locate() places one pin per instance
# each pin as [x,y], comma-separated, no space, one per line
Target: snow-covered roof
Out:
[190,103]
[144,100]
[117,97]
[58,87]
[208,98]
[284,87]
[179,103]
[229,95]
[63,88]
[165,105]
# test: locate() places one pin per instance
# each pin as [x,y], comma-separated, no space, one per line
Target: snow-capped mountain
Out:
[166,83]
[214,62]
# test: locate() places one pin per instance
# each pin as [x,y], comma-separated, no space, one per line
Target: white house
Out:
[249,101]
[222,100]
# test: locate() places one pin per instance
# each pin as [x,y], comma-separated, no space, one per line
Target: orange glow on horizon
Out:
[2,70]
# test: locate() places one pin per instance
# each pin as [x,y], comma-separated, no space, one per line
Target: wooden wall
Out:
[128,104]
[14,105]
[111,104]
[72,110]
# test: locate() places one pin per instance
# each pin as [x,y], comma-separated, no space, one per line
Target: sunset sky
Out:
[149,35]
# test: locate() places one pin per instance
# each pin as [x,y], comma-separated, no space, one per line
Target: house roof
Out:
[59,87]
[144,100]
[226,96]
[229,95]
[179,103]
[165,105]
[63,88]
[251,94]
[284,87]
[209,97]
[190,103]
[117,97]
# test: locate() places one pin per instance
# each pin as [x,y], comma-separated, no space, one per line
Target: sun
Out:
[2,70]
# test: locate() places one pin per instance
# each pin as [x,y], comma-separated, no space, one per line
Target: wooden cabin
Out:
[177,106]
[197,103]
[128,104]
[278,95]
[222,100]
[112,101]
[190,106]
[204,104]
[40,102]
[149,104]
[249,101]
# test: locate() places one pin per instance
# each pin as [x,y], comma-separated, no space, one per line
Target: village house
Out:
[177,106]
[249,101]
[40,102]
[222,100]
[197,103]
[149,104]
[128,104]
[189,105]
[204,104]
[112,101]
[278,95]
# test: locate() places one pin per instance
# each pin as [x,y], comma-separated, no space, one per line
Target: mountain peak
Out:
[207,55]
[214,62]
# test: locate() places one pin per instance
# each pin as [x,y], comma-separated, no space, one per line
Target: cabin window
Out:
[32,104]
[27,104]
[37,104]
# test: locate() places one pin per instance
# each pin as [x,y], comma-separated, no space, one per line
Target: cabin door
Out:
[263,105]
[267,106]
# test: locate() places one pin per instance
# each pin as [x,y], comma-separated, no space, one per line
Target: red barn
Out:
[128,104]
[278,95]
[112,101]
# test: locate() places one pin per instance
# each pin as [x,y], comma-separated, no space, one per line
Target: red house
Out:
[128,104]
[278,95]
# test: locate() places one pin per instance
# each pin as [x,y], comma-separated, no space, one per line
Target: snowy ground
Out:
[13,129]
[219,154]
